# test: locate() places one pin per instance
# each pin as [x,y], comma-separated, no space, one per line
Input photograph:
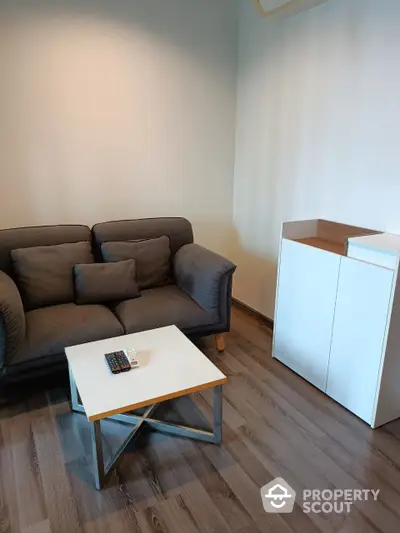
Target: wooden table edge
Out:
[171,396]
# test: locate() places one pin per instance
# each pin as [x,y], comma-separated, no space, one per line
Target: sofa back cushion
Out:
[105,282]
[179,230]
[31,236]
[152,257]
[45,273]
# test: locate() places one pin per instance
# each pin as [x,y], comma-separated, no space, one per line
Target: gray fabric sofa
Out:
[197,299]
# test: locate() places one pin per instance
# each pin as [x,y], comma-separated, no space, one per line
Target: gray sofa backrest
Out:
[27,237]
[179,230]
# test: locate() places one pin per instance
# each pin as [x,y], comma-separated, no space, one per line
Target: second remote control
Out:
[123,361]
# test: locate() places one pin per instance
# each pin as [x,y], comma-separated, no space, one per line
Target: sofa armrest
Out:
[206,277]
[12,319]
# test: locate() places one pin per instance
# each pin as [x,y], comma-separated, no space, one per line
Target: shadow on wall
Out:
[255,278]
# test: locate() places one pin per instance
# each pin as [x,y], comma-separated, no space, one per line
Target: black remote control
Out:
[118,362]
[123,361]
[113,362]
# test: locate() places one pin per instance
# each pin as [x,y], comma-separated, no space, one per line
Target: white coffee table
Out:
[170,366]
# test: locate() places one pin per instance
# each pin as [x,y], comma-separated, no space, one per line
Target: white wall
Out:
[115,109]
[318,129]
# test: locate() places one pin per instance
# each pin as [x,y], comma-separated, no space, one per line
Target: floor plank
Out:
[275,424]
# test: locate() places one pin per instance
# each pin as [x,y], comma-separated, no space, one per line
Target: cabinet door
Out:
[306,296]
[361,315]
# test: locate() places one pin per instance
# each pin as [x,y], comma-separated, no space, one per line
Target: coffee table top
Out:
[170,366]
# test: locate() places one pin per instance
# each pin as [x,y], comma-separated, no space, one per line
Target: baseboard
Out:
[264,319]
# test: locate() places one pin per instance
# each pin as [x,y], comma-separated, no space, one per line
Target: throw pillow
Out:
[44,274]
[152,256]
[105,282]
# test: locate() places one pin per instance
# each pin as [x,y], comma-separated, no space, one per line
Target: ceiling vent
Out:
[269,8]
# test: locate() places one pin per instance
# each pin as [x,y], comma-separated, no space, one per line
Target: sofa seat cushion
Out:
[162,306]
[51,329]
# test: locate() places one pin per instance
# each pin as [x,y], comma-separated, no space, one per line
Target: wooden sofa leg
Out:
[220,342]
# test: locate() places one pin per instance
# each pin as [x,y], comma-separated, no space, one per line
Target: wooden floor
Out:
[275,424]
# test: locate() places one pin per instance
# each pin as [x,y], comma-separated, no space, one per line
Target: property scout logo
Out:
[279,497]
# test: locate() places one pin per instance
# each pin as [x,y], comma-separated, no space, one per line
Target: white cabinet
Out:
[307,294]
[359,328]
[337,317]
